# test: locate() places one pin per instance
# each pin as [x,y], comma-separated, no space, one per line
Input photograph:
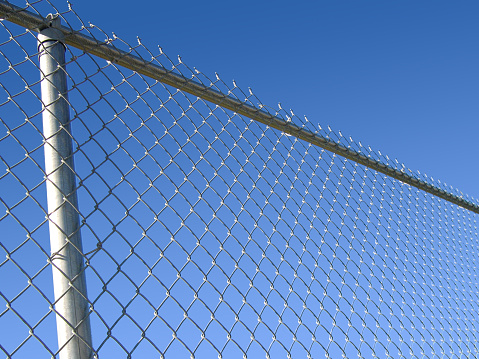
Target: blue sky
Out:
[401,77]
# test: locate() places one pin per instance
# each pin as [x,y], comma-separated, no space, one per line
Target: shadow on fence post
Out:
[71,303]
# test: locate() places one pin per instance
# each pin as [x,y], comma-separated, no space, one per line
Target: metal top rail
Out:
[110,53]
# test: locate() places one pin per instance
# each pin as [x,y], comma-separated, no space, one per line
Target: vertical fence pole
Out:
[71,303]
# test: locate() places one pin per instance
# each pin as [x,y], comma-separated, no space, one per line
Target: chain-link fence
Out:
[197,222]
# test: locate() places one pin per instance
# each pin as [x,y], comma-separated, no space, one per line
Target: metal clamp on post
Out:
[51,32]
[71,302]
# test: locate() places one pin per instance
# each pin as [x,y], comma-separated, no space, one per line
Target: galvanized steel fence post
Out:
[71,303]
[217,236]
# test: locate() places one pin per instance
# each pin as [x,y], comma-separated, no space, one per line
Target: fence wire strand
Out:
[209,234]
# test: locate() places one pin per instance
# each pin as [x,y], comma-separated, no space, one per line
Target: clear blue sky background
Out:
[401,77]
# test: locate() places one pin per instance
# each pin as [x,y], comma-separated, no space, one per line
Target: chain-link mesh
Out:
[208,234]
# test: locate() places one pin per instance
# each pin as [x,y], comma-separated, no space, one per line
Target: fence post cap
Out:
[51,31]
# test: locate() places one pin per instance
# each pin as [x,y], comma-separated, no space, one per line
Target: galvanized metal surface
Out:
[105,51]
[71,300]
[205,233]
